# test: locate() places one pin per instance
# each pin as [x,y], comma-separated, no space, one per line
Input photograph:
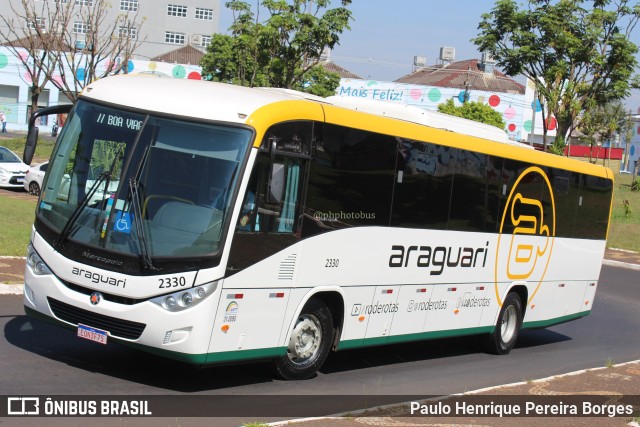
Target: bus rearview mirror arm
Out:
[32,133]
[276,176]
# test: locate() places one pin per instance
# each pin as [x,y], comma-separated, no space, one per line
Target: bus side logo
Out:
[527,250]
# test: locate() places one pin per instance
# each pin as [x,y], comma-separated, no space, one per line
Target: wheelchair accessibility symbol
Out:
[123,222]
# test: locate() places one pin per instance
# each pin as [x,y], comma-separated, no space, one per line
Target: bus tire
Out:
[309,343]
[504,336]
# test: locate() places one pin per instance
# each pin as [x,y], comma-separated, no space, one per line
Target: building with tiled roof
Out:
[188,55]
[335,68]
[475,80]
[469,74]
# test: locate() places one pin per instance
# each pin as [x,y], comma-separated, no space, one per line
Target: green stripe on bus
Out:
[369,342]
[555,320]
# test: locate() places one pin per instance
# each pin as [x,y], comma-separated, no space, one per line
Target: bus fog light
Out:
[170,302]
[31,296]
[177,335]
[201,292]
[187,299]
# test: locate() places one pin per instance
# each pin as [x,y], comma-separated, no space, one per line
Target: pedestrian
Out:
[3,119]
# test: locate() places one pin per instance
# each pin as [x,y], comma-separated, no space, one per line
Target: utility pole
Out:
[467,86]
[533,118]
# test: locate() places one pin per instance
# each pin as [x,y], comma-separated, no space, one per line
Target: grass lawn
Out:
[18,215]
[16,221]
[624,230]
[43,149]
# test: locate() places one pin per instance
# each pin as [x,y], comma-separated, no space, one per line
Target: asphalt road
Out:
[38,358]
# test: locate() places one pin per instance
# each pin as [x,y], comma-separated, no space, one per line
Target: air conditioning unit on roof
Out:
[447,53]
[487,58]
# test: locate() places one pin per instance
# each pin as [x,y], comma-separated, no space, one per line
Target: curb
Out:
[11,289]
[613,263]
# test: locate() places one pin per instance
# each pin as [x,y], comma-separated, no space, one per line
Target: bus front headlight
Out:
[185,298]
[36,263]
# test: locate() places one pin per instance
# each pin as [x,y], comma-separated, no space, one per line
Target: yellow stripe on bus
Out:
[284,111]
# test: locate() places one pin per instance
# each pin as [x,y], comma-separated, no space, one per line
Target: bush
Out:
[635,185]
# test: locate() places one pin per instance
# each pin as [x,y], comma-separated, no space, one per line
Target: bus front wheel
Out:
[309,343]
[504,336]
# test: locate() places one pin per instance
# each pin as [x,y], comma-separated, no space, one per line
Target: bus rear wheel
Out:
[309,343]
[504,336]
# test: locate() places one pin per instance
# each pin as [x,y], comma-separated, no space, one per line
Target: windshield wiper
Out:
[104,176]
[137,214]
[66,230]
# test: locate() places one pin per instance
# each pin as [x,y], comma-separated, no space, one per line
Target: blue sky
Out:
[386,34]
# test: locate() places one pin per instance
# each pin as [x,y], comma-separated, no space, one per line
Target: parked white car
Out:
[12,170]
[34,177]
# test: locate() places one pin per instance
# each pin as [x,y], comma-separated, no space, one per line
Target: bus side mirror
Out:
[32,134]
[276,184]
[30,145]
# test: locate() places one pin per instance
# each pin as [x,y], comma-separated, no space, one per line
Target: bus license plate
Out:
[92,334]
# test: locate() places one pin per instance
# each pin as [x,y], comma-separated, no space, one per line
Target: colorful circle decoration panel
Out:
[552,123]
[194,75]
[435,95]
[179,72]
[527,125]
[415,94]
[494,100]
[3,60]
[535,105]
[512,127]
[510,113]
[80,74]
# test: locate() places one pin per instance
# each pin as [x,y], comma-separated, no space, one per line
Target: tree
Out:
[319,81]
[282,51]
[601,123]
[67,43]
[31,35]
[626,131]
[476,111]
[576,52]
[101,47]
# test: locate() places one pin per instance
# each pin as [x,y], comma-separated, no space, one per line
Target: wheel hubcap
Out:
[305,339]
[508,325]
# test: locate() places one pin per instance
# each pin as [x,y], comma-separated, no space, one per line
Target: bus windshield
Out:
[142,185]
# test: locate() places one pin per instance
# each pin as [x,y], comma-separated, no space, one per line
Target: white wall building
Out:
[166,26]
[15,93]
[523,116]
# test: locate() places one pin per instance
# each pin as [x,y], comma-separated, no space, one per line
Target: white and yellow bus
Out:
[212,223]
